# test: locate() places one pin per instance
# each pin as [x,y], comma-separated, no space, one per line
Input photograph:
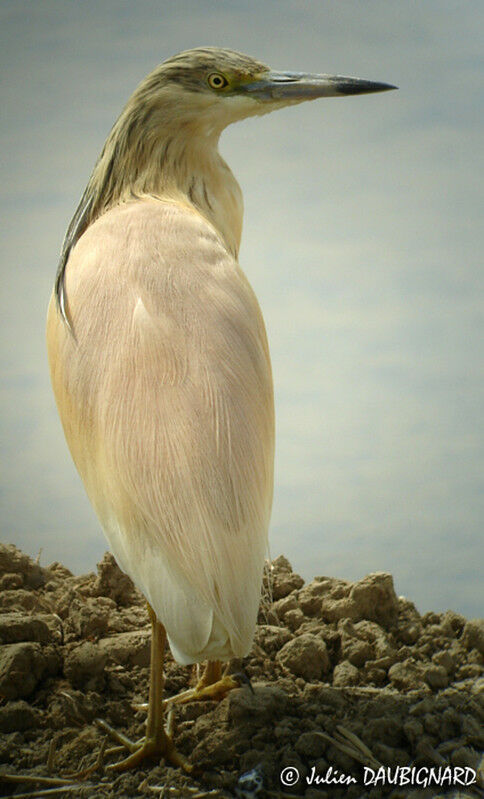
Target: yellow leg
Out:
[211,674]
[157,742]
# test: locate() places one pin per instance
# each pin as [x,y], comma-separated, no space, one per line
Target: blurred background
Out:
[362,240]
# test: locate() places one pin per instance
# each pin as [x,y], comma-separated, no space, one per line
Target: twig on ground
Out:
[98,764]
[351,745]
[48,792]
[51,755]
[33,778]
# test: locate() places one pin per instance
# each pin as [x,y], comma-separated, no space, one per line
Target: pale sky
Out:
[362,239]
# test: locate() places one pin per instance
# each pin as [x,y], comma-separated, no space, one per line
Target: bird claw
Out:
[243,679]
[159,746]
[151,748]
[214,691]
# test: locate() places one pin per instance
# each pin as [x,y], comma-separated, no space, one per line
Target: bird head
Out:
[184,102]
[213,87]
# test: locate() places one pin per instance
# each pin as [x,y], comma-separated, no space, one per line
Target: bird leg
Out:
[156,742]
[213,684]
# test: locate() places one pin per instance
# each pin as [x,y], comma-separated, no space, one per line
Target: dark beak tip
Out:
[383,87]
[364,87]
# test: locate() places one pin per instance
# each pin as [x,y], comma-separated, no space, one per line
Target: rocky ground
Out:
[345,676]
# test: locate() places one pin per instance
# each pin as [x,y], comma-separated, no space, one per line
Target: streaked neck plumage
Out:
[155,150]
[152,154]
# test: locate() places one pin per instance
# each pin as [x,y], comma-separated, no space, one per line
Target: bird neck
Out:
[179,165]
[196,171]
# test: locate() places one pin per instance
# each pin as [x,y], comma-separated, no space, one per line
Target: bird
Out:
[160,364]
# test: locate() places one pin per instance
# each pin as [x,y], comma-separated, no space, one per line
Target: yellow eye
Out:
[217,81]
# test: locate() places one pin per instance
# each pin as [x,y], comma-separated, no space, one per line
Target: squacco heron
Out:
[160,364]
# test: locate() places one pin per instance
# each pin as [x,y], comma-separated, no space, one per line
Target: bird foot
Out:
[148,748]
[215,691]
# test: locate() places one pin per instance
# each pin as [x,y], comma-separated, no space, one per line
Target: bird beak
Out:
[298,86]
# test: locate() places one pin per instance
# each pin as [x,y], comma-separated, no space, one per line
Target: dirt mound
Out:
[347,678]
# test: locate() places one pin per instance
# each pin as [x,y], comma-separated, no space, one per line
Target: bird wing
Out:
[165,394]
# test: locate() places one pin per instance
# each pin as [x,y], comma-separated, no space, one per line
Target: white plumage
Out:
[166,399]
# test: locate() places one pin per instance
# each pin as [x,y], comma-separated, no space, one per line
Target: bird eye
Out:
[217,81]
